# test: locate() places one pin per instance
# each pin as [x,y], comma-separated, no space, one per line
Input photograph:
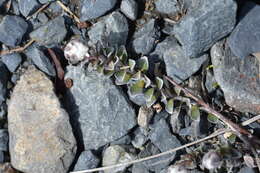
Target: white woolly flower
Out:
[211,160]
[177,169]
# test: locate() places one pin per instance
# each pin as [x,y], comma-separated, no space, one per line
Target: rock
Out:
[12,61]
[50,33]
[178,65]
[129,8]
[94,9]
[114,155]
[86,160]
[125,140]
[12,29]
[42,18]
[138,99]
[112,30]
[15,8]
[3,140]
[1,157]
[28,7]
[246,170]
[238,78]
[144,39]
[45,1]
[100,112]
[139,168]
[40,135]
[3,82]
[7,168]
[169,7]
[145,114]
[244,40]
[209,21]
[40,60]
[139,140]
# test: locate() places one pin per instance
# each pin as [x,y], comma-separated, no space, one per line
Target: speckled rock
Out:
[12,61]
[27,7]
[169,7]
[129,8]
[86,160]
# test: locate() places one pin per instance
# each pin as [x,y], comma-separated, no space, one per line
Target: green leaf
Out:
[212,118]
[100,69]
[110,66]
[151,102]
[131,64]
[122,54]
[163,97]
[195,113]
[159,83]
[169,106]
[137,87]
[143,63]
[137,76]
[108,73]
[122,77]
[232,138]
[149,94]
[147,81]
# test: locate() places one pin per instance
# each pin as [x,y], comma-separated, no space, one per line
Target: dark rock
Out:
[86,160]
[12,29]
[1,157]
[238,78]
[3,111]
[94,9]
[3,140]
[28,7]
[3,82]
[144,39]
[112,30]
[129,8]
[244,40]
[169,7]
[203,26]
[125,140]
[50,33]
[246,170]
[178,65]
[12,61]
[99,111]
[40,60]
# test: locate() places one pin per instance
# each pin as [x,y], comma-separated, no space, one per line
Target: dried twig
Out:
[16,50]
[68,11]
[220,132]
[38,11]
[60,71]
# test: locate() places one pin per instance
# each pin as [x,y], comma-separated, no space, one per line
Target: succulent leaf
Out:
[149,94]
[159,83]
[137,87]
[137,76]
[151,101]
[169,106]
[212,118]
[143,63]
[131,64]
[195,113]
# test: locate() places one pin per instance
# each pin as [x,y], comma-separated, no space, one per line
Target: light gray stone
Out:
[27,7]
[169,7]
[12,61]
[86,160]
[129,8]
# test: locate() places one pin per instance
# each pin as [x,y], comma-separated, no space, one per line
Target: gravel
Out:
[12,61]
[86,160]
[129,8]
[28,7]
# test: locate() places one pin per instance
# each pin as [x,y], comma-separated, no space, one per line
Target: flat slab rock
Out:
[238,78]
[40,135]
[100,112]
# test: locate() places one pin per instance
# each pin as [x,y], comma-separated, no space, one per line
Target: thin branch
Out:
[38,11]
[68,11]
[220,132]
[16,50]
[60,71]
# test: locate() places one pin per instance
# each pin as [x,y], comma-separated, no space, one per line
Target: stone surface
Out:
[40,60]
[50,33]
[169,7]
[12,61]
[238,78]
[100,112]
[1,157]
[86,160]
[178,65]
[144,39]
[7,168]
[116,154]
[145,114]
[244,40]
[45,1]
[12,29]
[3,140]
[93,9]
[28,7]
[112,30]
[246,170]
[3,82]
[139,168]
[129,8]
[40,135]
[202,27]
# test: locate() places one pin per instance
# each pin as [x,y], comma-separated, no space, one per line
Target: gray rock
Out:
[42,18]
[40,135]
[12,29]
[205,25]
[40,60]
[100,112]
[244,40]
[112,29]
[246,170]
[1,157]
[169,7]
[15,8]
[28,7]
[12,61]
[139,168]
[238,78]
[45,1]
[138,99]
[178,65]
[144,39]
[125,140]
[86,160]
[3,82]
[50,33]
[93,9]
[3,140]
[129,8]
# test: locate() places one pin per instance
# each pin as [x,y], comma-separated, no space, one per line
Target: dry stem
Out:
[16,50]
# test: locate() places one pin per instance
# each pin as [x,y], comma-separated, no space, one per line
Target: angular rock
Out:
[15,8]
[40,60]
[27,7]
[100,112]
[169,7]
[86,160]
[238,78]
[12,29]
[209,21]
[3,140]
[40,135]
[139,168]
[12,61]
[178,65]
[144,39]
[50,33]
[246,169]
[93,9]
[3,82]
[129,8]
[112,30]
[244,40]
